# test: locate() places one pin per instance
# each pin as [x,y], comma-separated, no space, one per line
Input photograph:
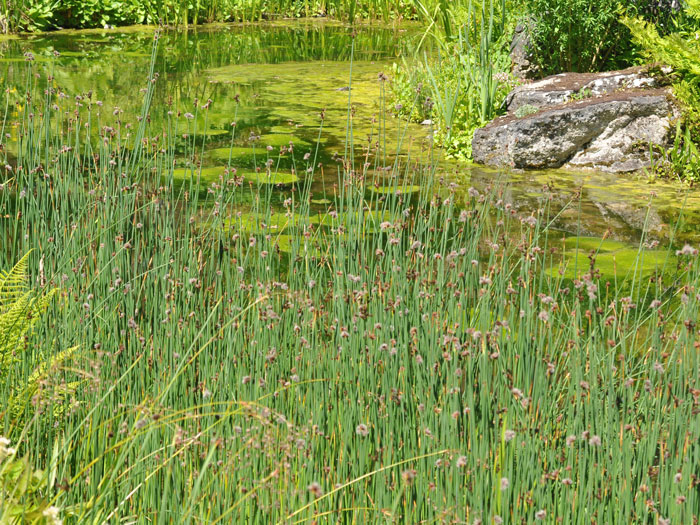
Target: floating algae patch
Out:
[210,136]
[395,190]
[282,139]
[255,222]
[23,59]
[203,174]
[240,156]
[596,244]
[217,132]
[613,259]
[131,54]
[370,221]
[270,177]
[299,245]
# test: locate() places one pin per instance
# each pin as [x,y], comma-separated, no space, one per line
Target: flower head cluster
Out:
[5,449]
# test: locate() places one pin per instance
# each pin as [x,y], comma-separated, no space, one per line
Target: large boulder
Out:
[565,87]
[610,125]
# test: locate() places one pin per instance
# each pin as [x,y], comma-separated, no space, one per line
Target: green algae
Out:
[282,139]
[270,177]
[614,260]
[369,221]
[208,174]
[217,132]
[316,246]
[395,190]
[239,155]
[255,222]
[216,173]
[594,244]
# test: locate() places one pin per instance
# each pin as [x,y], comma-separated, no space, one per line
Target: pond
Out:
[319,86]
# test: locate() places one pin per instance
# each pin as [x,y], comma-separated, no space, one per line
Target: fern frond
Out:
[20,310]
[23,395]
[17,321]
[693,8]
[678,50]
[13,284]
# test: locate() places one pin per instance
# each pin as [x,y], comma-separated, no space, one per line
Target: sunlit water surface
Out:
[276,80]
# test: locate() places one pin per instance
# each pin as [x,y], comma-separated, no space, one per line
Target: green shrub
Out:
[587,35]
[99,13]
[681,51]
[578,35]
[43,15]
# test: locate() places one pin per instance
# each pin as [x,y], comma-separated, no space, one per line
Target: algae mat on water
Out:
[218,173]
[302,91]
[613,259]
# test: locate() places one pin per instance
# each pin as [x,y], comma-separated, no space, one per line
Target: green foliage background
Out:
[42,15]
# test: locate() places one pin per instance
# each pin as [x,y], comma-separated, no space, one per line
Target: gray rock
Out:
[520,54]
[636,217]
[611,132]
[559,89]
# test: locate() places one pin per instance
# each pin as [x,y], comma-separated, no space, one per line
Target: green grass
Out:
[247,356]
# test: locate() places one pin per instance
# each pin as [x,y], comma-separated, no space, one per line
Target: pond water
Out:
[276,80]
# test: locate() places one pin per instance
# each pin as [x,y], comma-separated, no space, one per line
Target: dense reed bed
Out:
[400,348]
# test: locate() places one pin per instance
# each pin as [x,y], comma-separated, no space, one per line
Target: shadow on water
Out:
[276,80]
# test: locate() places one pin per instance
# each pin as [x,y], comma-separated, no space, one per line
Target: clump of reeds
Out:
[401,355]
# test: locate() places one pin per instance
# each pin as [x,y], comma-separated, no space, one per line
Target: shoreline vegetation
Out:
[48,15]
[283,337]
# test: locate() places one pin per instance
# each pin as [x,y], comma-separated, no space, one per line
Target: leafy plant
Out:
[37,15]
[525,110]
[23,491]
[581,95]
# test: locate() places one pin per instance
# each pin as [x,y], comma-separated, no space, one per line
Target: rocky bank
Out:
[605,121]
